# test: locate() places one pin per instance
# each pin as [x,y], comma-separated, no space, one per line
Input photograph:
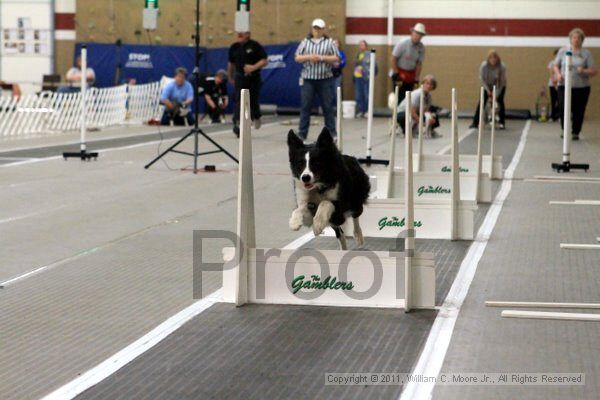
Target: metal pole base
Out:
[83,155]
[566,166]
[368,161]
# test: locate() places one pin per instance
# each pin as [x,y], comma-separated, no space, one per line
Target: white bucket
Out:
[348,109]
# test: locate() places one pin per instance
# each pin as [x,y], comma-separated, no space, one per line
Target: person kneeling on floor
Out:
[215,94]
[430,118]
[177,96]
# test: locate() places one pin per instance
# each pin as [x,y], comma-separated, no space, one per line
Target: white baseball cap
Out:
[419,28]
[319,23]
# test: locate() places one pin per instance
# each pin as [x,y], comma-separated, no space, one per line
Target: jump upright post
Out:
[368,160]
[420,141]
[479,156]
[455,171]
[566,165]
[409,241]
[83,153]
[338,121]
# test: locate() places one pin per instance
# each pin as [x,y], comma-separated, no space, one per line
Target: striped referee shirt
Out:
[323,47]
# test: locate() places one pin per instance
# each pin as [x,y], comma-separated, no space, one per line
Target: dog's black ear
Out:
[325,140]
[293,140]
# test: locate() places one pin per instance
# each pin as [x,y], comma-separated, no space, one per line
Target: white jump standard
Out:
[566,165]
[83,154]
[316,277]
[368,160]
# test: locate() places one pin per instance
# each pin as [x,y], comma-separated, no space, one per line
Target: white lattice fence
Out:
[51,113]
[143,102]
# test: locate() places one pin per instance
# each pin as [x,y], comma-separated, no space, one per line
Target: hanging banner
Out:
[145,63]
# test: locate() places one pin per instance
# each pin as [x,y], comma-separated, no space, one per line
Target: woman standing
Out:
[583,69]
[362,69]
[317,53]
[492,72]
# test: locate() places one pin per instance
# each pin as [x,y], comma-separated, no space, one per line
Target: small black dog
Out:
[330,186]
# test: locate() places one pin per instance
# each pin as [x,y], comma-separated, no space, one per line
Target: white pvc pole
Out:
[371,95]
[391,164]
[420,142]
[493,134]
[339,118]
[409,242]
[455,172]
[479,137]
[567,110]
[537,304]
[83,96]
[550,315]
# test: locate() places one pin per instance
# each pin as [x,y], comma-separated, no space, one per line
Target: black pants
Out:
[252,83]
[215,113]
[402,121]
[554,107]
[501,110]
[579,99]
[404,87]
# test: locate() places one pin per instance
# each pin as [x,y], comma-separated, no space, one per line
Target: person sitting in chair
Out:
[177,96]
[215,94]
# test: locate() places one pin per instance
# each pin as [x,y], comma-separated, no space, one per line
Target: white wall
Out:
[518,9]
[26,69]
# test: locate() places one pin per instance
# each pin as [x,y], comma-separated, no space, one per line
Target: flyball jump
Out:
[445,217]
[317,277]
[491,164]
[474,185]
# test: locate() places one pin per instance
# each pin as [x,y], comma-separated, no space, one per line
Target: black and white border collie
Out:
[330,186]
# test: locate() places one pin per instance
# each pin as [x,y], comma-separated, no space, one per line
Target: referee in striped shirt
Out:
[317,53]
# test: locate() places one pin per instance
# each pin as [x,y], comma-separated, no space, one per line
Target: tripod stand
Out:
[195,131]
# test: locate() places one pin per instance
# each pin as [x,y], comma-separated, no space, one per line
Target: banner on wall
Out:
[146,63]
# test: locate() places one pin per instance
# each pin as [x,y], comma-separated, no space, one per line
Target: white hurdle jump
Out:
[435,184]
[316,277]
[491,164]
[446,217]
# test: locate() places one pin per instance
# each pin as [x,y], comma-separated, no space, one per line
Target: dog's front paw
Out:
[296,220]
[319,224]
[295,223]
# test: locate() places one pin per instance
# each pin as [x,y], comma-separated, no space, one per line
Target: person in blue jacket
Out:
[177,96]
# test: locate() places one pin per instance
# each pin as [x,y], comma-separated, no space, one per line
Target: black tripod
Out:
[196,130]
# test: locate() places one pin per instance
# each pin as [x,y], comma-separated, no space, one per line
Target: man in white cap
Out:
[317,53]
[407,60]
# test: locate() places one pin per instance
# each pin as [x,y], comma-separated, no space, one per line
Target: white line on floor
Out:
[111,365]
[17,158]
[18,217]
[433,354]
[135,349]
